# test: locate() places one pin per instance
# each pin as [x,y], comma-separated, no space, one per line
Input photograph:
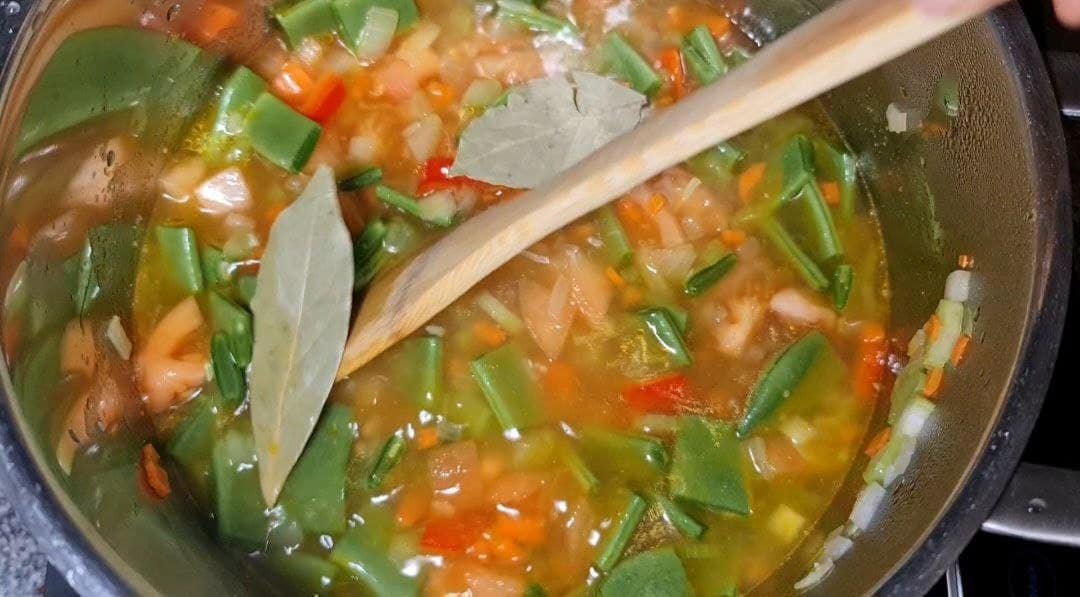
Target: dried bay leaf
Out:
[546,126]
[301,314]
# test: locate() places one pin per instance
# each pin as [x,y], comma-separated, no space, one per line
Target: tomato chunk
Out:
[664,396]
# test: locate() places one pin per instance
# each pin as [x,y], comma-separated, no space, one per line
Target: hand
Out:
[1068,11]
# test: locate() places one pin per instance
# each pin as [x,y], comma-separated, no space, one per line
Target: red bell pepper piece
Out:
[664,396]
[456,534]
[435,176]
[325,99]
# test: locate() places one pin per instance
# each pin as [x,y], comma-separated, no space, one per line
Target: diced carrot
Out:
[631,297]
[636,222]
[212,20]
[670,60]
[717,25]
[412,507]
[455,534]
[879,441]
[933,382]
[871,365]
[831,192]
[749,180]
[154,478]
[657,203]
[325,99]
[960,350]
[293,84]
[732,238]
[427,437]
[441,94]
[525,530]
[561,381]
[933,327]
[583,232]
[966,262]
[616,279]
[489,333]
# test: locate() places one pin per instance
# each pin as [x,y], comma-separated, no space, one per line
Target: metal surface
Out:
[1065,73]
[1040,503]
[998,174]
[954,584]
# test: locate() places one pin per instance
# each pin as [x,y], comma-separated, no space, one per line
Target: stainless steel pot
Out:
[994,187]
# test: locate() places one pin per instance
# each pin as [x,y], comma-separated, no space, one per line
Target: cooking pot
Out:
[993,186]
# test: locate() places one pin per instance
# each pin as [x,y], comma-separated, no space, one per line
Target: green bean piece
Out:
[409,205]
[87,288]
[535,589]
[620,534]
[308,573]
[392,452]
[238,503]
[352,15]
[843,278]
[358,555]
[706,466]
[841,167]
[577,467]
[304,19]
[715,167]
[529,16]
[360,180]
[815,220]
[235,323]
[616,243]
[193,438]
[626,64]
[419,369]
[180,250]
[702,56]
[283,136]
[626,451]
[707,277]
[238,95]
[804,266]
[216,269]
[245,288]
[737,56]
[367,249]
[228,375]
[664,332]
[678,518]
[781,379]
[654,573]
[503,376]
[314,493]
[797,159]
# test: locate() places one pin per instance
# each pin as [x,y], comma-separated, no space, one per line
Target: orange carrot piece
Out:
[616,280]
[732,238]
[960,350]
[525,530]
[631,297]
[933,382]
[670,60]
[427,437]
[293,84]
[831,192]
[878,443]
[717,25]
[154,478]
[933,327]
[213,20]
[489,333]
[749,180]
[636,222]
[561,381]
[441,94]
[657,203]
[966,262]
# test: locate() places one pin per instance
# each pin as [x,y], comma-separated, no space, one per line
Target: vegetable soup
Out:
[662,398]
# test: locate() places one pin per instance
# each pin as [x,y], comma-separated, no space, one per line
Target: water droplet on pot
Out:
[12,8]
[172,13]
[1036,506]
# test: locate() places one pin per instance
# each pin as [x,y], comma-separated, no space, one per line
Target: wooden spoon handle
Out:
[849,39]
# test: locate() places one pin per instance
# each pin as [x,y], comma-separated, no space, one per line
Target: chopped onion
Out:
[866,506]
[438,207]
[240,244]
[901,462]
[481,92]
[380,23]
[436,330]
[958,286]
[657,424]
[116,335]
[914,416]
[178,183]
[896,118]
[755,446]
[310,51]
[690,188]
[423,137]
[797,430]
[560,297]
[836,544]
[671,233]
[536,257]
[224,192]
[362,149]
[499,312]
[418,42]
[673,263]
[821,569]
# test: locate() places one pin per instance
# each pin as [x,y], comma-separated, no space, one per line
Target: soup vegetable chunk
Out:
[662,398]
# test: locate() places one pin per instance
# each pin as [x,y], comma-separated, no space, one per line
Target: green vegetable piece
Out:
[880,467]
[621,532]
[804,266]
[362,179]
[245,288]
[815,220]
[702,56]
[841,167]
[529,16]
[843,278]
[352,14]
[637,455]
[706,467]
[238,94]
[193,439]
[706,277]
[238,502]
[410,206]
[797,159]
[280,134]
[616,243]
[419,370]
[950,315]
[392,452]
[314,493]
[111,70]
[180,250]
[683,522]
[307,573]
[227,373]
[367,250]
[503,375]
[216,269]
[781,379]
[909,383]
[235,323]
[715,167]
[665,334]
[363,560]
[577,467]
[87,288]
[304,19]
[629,66]
[535,590]
[654,573]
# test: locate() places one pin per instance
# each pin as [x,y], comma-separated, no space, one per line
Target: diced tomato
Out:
[435,176]
[455,535]
[665,395]
[325,98]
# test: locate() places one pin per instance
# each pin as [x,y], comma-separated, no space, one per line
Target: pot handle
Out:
[1040,503]
[1064,70]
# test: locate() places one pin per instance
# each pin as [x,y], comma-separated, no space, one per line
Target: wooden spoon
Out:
[847,40]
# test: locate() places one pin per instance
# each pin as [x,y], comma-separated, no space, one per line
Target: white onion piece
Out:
[180,180]
[309,51]
[755,446]
[672,263]
[821,569]
[796,307]
[797,430]
[914,416]
[836,545]
[896,119]
[481,92]
[958,286]
[380,23]
[418,42]
[423,137]
[362,149]
[116,335]
[690,188]
[438,207]
[900,464]
[866,506]
[436,330]
[224,192]
[671,233]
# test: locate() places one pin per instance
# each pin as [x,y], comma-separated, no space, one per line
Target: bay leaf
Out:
[301,314]
[546,126]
